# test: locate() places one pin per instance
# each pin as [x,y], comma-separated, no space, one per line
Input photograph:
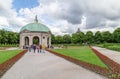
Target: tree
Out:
[81,37]
[89,37]
[8,37]
[4,38]
[116,35]
[78,38]
[98,37]
[67,39]
[107,36]
[53,41]
[75,38]
[59,39]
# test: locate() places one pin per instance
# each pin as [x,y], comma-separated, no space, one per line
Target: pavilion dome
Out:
[35,27]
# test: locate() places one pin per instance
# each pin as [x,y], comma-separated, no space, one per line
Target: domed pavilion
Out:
[35,33]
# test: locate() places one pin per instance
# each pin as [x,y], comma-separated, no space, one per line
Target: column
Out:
[41,39]
[30,40]
[50,40]
[22,41]
[46,41]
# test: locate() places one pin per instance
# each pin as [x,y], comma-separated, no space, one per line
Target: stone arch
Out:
[36,40]
[26,42]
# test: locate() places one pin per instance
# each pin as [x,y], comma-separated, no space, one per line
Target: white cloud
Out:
[64,16]
[4,21]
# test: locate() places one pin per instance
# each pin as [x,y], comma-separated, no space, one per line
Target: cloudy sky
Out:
[61,16]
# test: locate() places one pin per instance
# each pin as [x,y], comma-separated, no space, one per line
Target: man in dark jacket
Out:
[34,47]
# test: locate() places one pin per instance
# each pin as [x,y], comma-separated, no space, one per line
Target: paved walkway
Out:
[47,66]
[13,48]
[114,55]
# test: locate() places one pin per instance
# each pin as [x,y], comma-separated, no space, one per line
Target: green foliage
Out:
[98,37]
[35,40]
[59,39]
[78,38]
[89,37]
[83,53]
[7,54]
[107,36]
[7,37]
[67,39]
[75,38]
[116,35]
[10,38]
[53,41]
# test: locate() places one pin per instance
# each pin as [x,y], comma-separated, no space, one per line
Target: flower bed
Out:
[6,65]
[95,68]
[114,66]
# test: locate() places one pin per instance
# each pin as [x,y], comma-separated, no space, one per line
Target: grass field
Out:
[7,54]
[83,53]
[112,46]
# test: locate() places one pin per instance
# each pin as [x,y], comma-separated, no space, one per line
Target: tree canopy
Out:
[89,37]
[8,37]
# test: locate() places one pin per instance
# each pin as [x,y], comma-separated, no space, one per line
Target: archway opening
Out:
[36,40]
[26,41]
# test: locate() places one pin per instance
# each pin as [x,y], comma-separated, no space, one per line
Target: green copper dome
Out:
[36,27]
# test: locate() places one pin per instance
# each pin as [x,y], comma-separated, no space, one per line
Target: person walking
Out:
[43,48]
[38,48]
[34,47]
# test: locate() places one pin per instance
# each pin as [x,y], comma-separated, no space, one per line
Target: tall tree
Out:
[67,39]
[59,39]
[107,36]
[75,38]
[53,41]
[89,37]
[78,38]
[81,37]
[116,35]
[98,37]
[8,37]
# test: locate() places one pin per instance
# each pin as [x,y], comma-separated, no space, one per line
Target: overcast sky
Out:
[61,16]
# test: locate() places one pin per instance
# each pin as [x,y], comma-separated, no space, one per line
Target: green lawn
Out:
[7,54]
[83,53]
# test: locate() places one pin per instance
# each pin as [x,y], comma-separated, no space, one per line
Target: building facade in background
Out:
[35,33]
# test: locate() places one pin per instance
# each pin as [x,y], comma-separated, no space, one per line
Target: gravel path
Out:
[114,55]
[47,66]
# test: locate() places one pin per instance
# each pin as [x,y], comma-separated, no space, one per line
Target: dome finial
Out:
[36,20]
